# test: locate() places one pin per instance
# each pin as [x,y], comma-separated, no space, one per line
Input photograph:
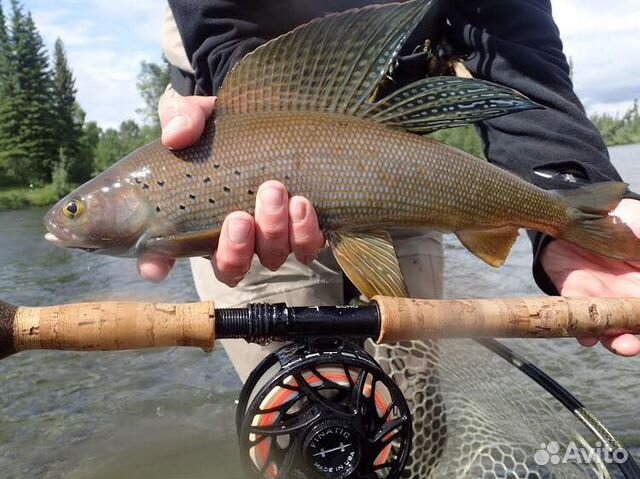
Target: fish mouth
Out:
[52,238]
[58,242]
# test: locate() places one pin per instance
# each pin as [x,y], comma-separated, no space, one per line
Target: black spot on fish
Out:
[183,207]
[138,180]
[212,201]
[287,177]
[188,175]
[263,167]
[145,186]
[207,179]
[250,192]
[192,196]
[161,183]
[237,173]
[216,165]
[157,209]
[226,189]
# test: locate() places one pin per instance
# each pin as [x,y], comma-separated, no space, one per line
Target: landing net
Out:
[477,416]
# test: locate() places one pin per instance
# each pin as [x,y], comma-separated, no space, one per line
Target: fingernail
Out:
[178,122]
[298,210]
[272,199]
[239,231]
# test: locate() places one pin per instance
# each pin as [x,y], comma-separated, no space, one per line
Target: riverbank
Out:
[13,198]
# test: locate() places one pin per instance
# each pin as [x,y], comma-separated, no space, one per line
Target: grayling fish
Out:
[303,109]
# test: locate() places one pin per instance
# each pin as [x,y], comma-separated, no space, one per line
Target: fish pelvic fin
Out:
[369,260]
[492,246]
[183,245]
[594,228]
[332,64]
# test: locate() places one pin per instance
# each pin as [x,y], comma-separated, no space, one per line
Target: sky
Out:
[107,39]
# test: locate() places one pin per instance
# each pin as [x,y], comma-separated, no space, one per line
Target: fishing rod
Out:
[117,326]
[321,406]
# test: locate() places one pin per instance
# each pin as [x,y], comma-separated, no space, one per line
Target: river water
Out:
[169,413]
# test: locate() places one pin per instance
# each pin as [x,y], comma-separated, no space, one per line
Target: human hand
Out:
[577,272]
[281,224]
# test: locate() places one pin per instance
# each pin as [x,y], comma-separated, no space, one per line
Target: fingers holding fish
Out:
[579,273]
[236,246]
[272,224]
[626,345]
[183,118]
[154,268]
[305,237]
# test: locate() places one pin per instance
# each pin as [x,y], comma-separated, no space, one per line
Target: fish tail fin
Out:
[594,229]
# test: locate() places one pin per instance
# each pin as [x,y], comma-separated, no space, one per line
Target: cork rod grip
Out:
[109,326]
[549,317]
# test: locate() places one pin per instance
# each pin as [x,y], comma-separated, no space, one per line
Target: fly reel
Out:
[323,410]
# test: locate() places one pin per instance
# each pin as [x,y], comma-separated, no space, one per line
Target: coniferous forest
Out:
[47,147]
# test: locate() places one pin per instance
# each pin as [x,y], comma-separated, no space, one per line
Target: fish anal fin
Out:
[491,246]
[369,260]
[181,245]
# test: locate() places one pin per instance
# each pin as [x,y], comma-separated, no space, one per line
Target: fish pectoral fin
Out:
[369,260]
[195,243]
[491,246]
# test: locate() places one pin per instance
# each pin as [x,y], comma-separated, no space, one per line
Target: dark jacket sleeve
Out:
[218,33]
[517,44]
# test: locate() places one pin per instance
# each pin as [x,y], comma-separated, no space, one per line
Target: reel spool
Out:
[323,410]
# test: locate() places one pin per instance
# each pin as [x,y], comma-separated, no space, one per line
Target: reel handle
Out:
[404,319]
[106,326]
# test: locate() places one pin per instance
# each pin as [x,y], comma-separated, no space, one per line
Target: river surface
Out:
[169,413]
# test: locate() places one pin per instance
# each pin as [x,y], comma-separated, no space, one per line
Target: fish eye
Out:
[73,209]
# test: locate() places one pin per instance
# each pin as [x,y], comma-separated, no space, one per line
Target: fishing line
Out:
[629,468]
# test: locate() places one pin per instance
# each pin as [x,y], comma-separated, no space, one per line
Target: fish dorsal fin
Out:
[369,260]
[332,64]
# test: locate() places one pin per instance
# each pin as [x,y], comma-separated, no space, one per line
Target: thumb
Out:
[183,118]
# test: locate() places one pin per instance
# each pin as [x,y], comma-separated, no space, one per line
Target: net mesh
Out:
[476,416]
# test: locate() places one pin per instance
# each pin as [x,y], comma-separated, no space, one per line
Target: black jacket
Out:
[512,42]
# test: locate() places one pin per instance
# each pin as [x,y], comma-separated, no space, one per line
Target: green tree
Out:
[116,144]
[152,82]
[619,131]
[89,143]
[464,138]
[69,117]
[33,100]
[10,150]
